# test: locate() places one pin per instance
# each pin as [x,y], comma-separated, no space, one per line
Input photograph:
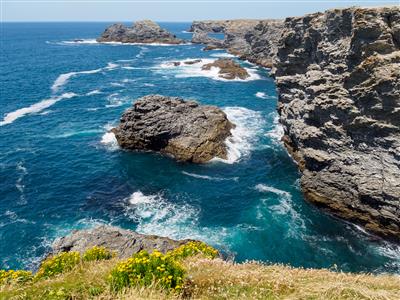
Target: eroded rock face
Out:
[253,40]
[338,78]
[141,32]
[228,69]
[184,129]
[124,242]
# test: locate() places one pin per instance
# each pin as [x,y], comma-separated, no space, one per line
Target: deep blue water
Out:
[60,170]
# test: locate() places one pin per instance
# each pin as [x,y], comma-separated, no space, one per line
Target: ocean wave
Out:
[115,100]
[155,215]
[212,178]
[34,108]
[108,139]
[262,95]
[19,183]
[224,54]
[277,131]
[94,92]
[284,208]
[75,42]
[245,135]
[195,70]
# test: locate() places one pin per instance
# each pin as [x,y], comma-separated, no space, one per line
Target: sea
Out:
[61,169]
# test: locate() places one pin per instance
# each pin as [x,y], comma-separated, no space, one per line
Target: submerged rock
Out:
[228,69]
[338,78]
[124,242]
[184,129]
[145,32]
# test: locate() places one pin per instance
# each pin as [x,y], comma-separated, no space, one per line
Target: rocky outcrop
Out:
[253,40]
[338,78]
[228,69]
[144,32]
[184,129]
[123,242]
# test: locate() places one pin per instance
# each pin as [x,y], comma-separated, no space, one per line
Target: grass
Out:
[213,279]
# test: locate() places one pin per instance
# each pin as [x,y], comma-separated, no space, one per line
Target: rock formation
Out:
[228,69]
[253,40]
[123,242]
[184,129]
[141,32]
[338,78]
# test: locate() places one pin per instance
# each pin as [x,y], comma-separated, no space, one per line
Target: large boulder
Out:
[184,129]
[228,69]
[123,242]
[145,32]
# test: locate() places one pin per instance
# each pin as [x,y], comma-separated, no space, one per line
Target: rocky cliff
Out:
[144,32]
[338,78]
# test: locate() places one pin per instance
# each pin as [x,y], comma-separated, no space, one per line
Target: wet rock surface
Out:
[338,78]
[123,242]
[145,32]
[184,129]
[228,69]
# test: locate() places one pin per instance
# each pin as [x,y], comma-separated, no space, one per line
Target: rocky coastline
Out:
[141,32]
[170,125]
[337,76]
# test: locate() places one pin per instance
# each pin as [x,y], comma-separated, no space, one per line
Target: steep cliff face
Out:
[338,78]
[253,40]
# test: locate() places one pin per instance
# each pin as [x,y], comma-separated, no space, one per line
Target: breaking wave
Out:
[212,178]
[34,108]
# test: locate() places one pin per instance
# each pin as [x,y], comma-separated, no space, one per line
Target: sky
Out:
[166,10]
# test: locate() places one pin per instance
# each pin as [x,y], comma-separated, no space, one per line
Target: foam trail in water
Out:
[262,95]
[94,92]
[34,108]
[19,184]
[245,135]
[155,215]
[63,78]
[265,188]
[184,70]
[209,177]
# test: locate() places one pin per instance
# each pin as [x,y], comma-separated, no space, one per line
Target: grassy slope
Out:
[216,279]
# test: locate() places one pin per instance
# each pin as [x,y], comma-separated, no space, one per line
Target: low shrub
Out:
[15,276]
[57,264]
[144,269]
[194,248]
[97,253]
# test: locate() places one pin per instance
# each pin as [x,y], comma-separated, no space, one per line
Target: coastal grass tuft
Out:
[194,276]
[97,253]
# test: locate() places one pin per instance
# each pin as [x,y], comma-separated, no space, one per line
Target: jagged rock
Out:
[184,129]
[192,62]
[228,69]
[123,242]
[253,40]
[338,78]
[141,32]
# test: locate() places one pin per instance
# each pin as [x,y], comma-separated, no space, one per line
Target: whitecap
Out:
[19,184]
[63,78]
[129,68]
[224,54]
[34,108]
[79,42]
[94,92]
[245,135]
[277,131]
[262,95]
[115,100]
[111,66]
[212,178]
[148,84]
[265,188]
[184,70]
[108,139]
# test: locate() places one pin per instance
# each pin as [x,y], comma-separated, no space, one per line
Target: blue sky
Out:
[166,10]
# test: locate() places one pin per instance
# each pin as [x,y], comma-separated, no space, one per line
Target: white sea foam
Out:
[284,208]
[223,54]
[20,182]
[148,84]
[156,215]
[277,132]
[128,68]
[115,100]
[34,108]
[195,70]
[108,139]
[63,78]
[245,135]
[80,42]
[111,66]
[262,95]
[212,178]
[94,92]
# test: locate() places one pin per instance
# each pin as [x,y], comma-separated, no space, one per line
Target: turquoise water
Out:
[60,170]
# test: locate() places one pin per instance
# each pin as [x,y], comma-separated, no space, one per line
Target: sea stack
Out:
[142,32]
[184,129]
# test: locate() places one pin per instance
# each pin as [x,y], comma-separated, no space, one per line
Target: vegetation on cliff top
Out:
[191,271]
